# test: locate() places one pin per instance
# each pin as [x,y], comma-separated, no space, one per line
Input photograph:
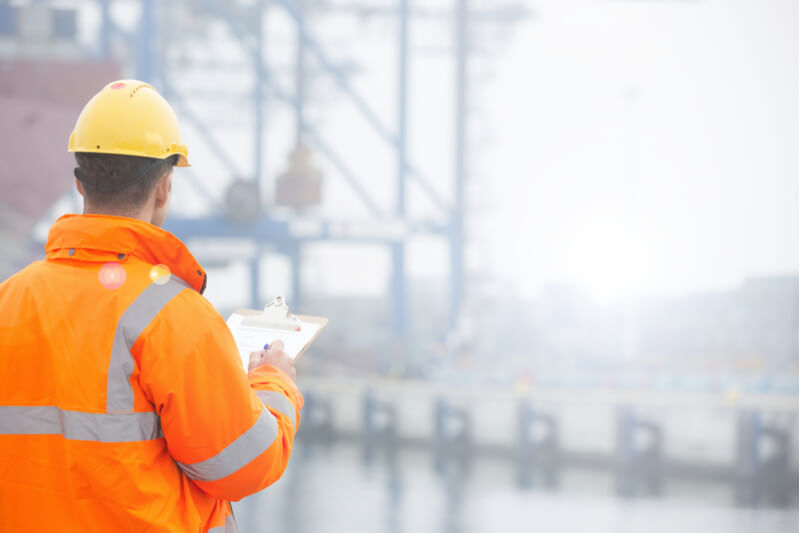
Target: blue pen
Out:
[266,346]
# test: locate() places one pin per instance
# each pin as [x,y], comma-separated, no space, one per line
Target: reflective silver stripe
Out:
[237,454]
[277,401]
[119,392]
[229,527]
[77,425]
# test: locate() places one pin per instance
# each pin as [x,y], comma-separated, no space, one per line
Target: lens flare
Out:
[112,276]
[160,274]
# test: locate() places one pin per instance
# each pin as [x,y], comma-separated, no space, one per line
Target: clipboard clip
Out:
[276,315]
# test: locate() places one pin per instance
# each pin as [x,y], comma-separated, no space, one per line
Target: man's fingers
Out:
[274,356]
[276,346]
[254,357]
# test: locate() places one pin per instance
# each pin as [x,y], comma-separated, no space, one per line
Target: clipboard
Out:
[252,329]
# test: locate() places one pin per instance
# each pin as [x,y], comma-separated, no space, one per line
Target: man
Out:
[123,402]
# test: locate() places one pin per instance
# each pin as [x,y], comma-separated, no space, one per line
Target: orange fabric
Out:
[57,327]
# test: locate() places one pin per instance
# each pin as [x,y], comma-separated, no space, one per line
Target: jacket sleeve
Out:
[230,433]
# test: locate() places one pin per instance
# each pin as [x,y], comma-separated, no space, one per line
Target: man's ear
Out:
[79,186]
[163,190]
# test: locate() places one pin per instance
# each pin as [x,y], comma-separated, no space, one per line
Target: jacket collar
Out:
[111,238]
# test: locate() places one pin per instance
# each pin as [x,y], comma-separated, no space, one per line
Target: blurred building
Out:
[743,339]
[39,102]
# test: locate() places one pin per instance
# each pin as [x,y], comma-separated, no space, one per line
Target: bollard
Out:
[763,477]
[637,468]
[534,453]
[317,422]
[380,427]
[452,438]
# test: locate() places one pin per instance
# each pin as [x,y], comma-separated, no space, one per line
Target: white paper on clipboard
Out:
[252,329]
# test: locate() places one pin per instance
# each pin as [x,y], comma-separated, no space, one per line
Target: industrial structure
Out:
[162,55]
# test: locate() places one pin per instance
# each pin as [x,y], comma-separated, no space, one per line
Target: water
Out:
[332,489]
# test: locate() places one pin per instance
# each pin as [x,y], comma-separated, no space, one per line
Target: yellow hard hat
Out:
[129,117]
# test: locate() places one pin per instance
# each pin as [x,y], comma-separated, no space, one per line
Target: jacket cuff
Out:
[268,377]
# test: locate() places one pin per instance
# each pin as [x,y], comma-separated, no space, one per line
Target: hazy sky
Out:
[648,145]
[630,146]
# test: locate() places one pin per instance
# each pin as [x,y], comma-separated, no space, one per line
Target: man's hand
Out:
[274,356]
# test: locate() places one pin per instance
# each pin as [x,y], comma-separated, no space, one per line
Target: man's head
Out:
[126,142]
[125,185]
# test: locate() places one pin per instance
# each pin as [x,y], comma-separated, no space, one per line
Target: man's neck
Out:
[144,215]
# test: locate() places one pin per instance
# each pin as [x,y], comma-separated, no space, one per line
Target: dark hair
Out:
[119,182]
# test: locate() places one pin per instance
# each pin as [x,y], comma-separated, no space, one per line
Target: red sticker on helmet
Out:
[118,85]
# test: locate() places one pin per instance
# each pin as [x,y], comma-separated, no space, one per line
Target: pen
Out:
[266,346]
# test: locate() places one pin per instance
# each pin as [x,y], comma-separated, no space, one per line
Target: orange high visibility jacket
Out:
[123,402]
